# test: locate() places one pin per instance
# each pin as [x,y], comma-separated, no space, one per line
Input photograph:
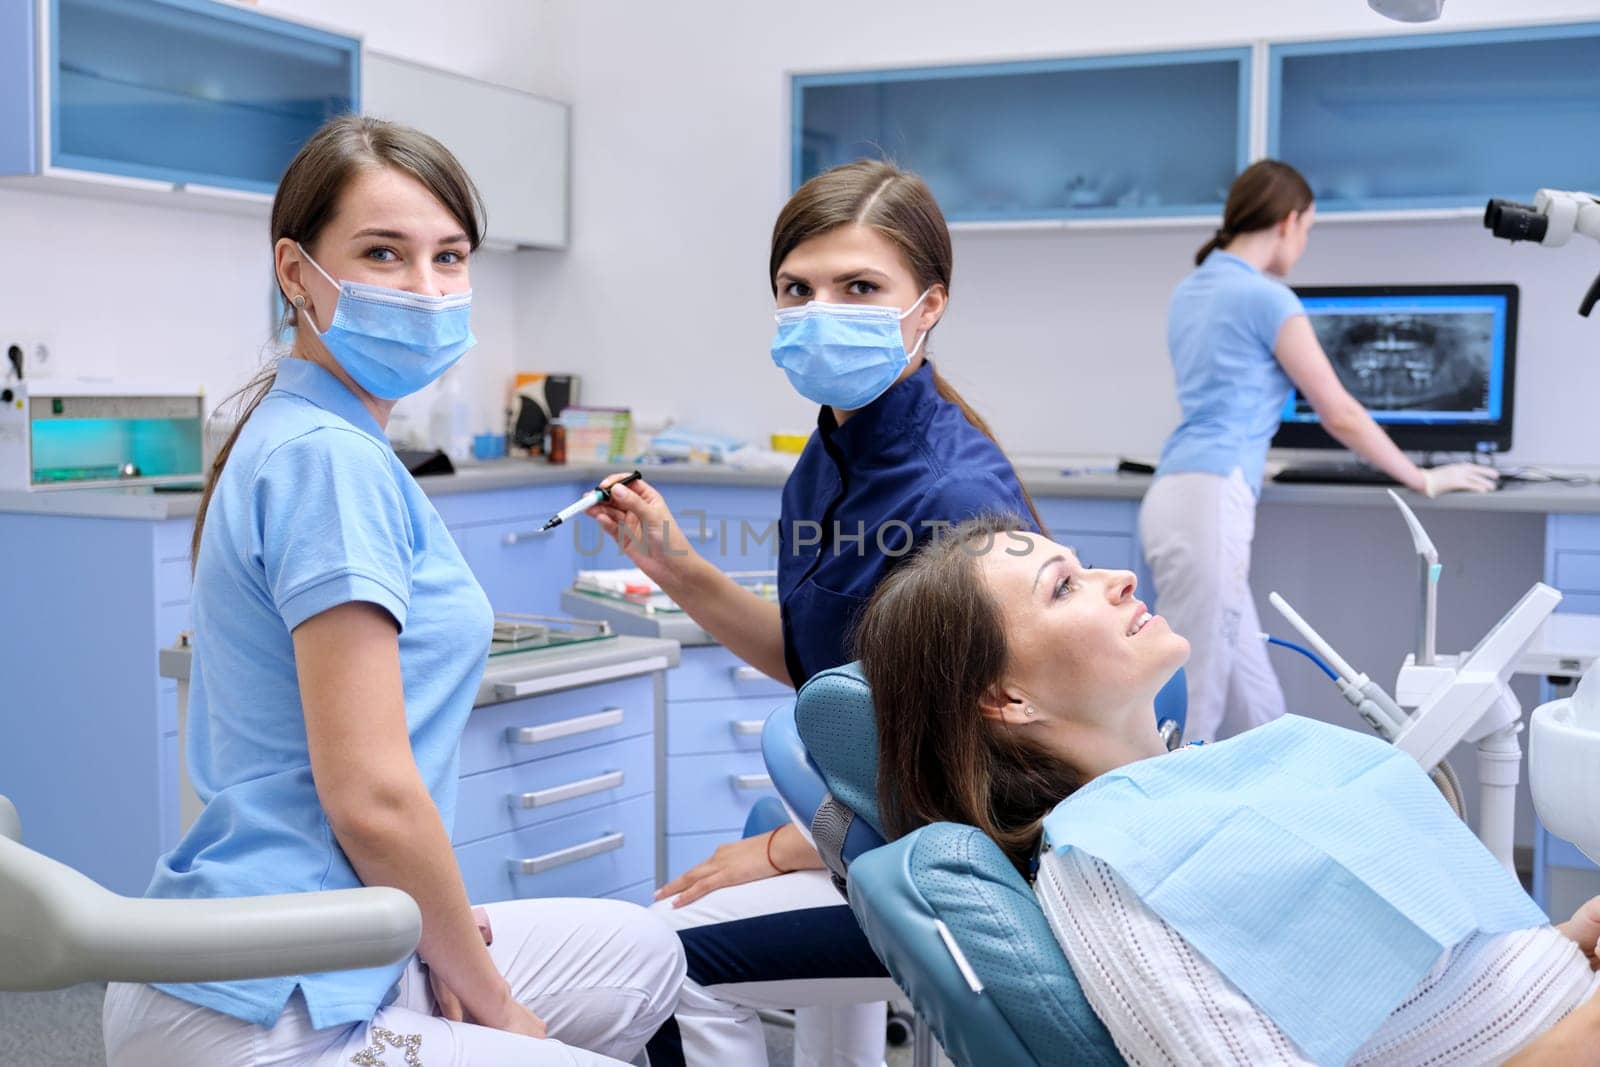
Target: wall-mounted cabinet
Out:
[1408,124]
[1439,120]
[1094,138]
[514,144]
[158,94]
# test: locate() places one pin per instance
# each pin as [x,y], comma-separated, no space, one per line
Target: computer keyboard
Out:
[1334,474]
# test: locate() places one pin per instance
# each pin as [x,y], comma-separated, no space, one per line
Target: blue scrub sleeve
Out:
[1271,306]
[334,526]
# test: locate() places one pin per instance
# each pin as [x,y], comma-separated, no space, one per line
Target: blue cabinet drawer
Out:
[1580,603]
[560,722]
[640,893]
[713,673]
[690,850]
[700,726]
[520,569]
[1088,516]
[588,854]
[714,792]
[172,540]
[1578,572]
[497,802]
[503,505]
[1581,532]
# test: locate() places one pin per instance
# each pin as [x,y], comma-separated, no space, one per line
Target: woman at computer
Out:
[1239,341]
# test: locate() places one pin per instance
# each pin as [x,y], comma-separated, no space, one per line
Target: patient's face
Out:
[1083,649]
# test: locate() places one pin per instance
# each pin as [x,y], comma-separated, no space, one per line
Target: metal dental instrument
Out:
[1428,562]
[587,501]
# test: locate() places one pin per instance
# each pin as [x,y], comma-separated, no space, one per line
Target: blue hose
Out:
[1306,652]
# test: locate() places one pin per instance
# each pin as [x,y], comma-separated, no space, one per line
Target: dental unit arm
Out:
[1442,701]
[1551,220]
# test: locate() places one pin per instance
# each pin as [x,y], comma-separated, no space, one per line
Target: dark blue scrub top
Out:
[863,495]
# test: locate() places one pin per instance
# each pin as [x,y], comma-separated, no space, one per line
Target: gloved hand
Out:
[1458,478]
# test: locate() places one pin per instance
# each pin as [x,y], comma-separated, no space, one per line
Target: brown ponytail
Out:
[308,196]
[898,205]
[1263,195]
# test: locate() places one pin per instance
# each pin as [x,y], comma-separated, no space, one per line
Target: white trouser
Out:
[1196,530]
[839,1021]
[601,973]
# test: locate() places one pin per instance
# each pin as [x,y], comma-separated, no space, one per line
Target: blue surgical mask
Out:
[393,342]
[843,355]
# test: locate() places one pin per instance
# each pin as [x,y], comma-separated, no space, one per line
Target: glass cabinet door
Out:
[190,90]
[1439,120]
[1104,137]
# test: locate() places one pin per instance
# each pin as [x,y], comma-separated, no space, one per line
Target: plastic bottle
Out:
[450,421]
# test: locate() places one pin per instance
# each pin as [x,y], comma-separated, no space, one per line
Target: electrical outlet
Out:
[34,350]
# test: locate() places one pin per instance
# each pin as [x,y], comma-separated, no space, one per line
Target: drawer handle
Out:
[563,856]
[571,791]
[745,673]
[550,731]
[751,781]
[522,537]
[748,727]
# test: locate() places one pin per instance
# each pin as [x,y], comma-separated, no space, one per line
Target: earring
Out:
[1027,709]
[299,301]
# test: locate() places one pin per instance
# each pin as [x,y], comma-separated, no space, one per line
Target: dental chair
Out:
[59,928]
[955,924]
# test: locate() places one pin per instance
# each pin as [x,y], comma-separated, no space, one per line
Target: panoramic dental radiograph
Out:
[1401,362]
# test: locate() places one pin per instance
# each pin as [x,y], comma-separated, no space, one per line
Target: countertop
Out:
[540,670]
[634,619]
[1046,482]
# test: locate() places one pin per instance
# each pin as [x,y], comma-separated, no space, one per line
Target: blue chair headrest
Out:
[1032,1009]
[833,714]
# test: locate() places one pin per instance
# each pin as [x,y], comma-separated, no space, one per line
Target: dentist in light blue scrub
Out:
[339,642]
[1239,340]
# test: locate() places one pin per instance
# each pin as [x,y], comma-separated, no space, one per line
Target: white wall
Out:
[141,291]
[681,131]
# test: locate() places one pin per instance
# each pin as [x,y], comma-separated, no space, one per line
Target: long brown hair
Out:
[1263,195]
[308,195]
[932,645]
[898,205]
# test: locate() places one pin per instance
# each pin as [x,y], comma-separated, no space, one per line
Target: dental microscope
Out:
[1551,220]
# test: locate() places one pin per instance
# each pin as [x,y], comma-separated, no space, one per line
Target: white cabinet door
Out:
[513,144]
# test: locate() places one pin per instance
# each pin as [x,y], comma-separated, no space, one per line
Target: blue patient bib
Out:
[1317,868]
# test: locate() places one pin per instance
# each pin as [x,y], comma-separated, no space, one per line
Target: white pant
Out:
[1196,530]
[839,1021]
[601,973]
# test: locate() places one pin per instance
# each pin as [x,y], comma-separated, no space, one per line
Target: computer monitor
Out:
[1434,364]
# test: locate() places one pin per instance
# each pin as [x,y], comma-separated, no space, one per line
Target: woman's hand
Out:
[1459,478]
[509,1014]
[1584,930]
[638,519]
[743,861]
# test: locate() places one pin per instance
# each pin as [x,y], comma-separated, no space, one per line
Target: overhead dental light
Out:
[1408,10]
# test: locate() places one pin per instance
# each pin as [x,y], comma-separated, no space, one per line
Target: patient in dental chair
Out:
[1298,894]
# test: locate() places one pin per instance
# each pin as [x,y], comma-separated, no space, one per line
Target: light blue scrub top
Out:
[1222,327]
[312,510]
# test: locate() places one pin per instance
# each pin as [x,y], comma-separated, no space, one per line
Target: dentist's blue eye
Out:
[382,254]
